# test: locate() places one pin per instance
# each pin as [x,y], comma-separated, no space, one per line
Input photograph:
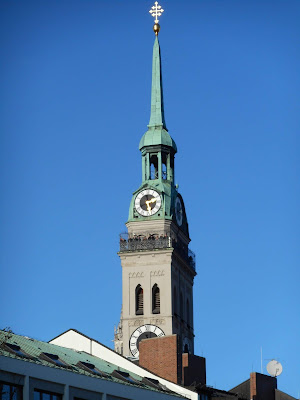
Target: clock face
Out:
[143,332]
[178,211]
[147,202]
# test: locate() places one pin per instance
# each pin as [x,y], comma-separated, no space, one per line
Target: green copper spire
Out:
[158,154]
[157,117]
[157,133]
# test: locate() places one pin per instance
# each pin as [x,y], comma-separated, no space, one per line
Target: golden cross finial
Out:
[156,12]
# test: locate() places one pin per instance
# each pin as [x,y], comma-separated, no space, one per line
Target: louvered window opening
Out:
[155,300]
[139,310]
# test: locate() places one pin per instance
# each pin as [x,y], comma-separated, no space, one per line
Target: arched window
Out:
[175,309]
[164,171]
[155,299]
[188,312]
[139,300]
[153,166]
[181,306]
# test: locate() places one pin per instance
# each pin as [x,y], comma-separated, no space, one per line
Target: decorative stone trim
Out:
[157,321]
[157,273]
[136,274]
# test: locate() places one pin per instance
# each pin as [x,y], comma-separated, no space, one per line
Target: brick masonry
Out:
[262,387]
[193,369]
[161,356]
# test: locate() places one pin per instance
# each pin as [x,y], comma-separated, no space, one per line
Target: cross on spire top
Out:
[156,11]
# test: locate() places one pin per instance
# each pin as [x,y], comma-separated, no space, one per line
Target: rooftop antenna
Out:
[274,368]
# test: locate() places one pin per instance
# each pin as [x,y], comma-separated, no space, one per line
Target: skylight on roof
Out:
[16,350]
[155,383]
[54,359]
[126,377]
[91,368]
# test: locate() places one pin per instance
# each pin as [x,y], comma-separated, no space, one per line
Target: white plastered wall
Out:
[146,269]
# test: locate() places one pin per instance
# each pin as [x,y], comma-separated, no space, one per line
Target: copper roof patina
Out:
[35,351]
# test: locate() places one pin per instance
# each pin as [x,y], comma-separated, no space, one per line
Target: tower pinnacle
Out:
[157,117]
[157,133]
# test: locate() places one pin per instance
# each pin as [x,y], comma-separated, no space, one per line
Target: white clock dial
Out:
[143,332]
[147,202]
[178,211]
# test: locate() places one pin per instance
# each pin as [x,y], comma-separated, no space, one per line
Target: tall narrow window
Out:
[164,172]
[154,167]
[155,299]
[139,300]
[171,172]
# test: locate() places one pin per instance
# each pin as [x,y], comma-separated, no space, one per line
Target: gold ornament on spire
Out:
[156,12]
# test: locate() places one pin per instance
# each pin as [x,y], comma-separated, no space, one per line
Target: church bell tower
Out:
[158,268]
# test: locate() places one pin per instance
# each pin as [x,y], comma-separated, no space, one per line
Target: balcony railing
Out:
[153,242]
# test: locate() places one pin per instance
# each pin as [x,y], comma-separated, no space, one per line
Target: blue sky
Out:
[75,101]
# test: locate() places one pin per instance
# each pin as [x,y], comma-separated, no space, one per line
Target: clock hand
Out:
[148,205]
[153,200]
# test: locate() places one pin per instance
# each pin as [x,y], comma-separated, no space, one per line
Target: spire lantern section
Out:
[157,146]
[158,152]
